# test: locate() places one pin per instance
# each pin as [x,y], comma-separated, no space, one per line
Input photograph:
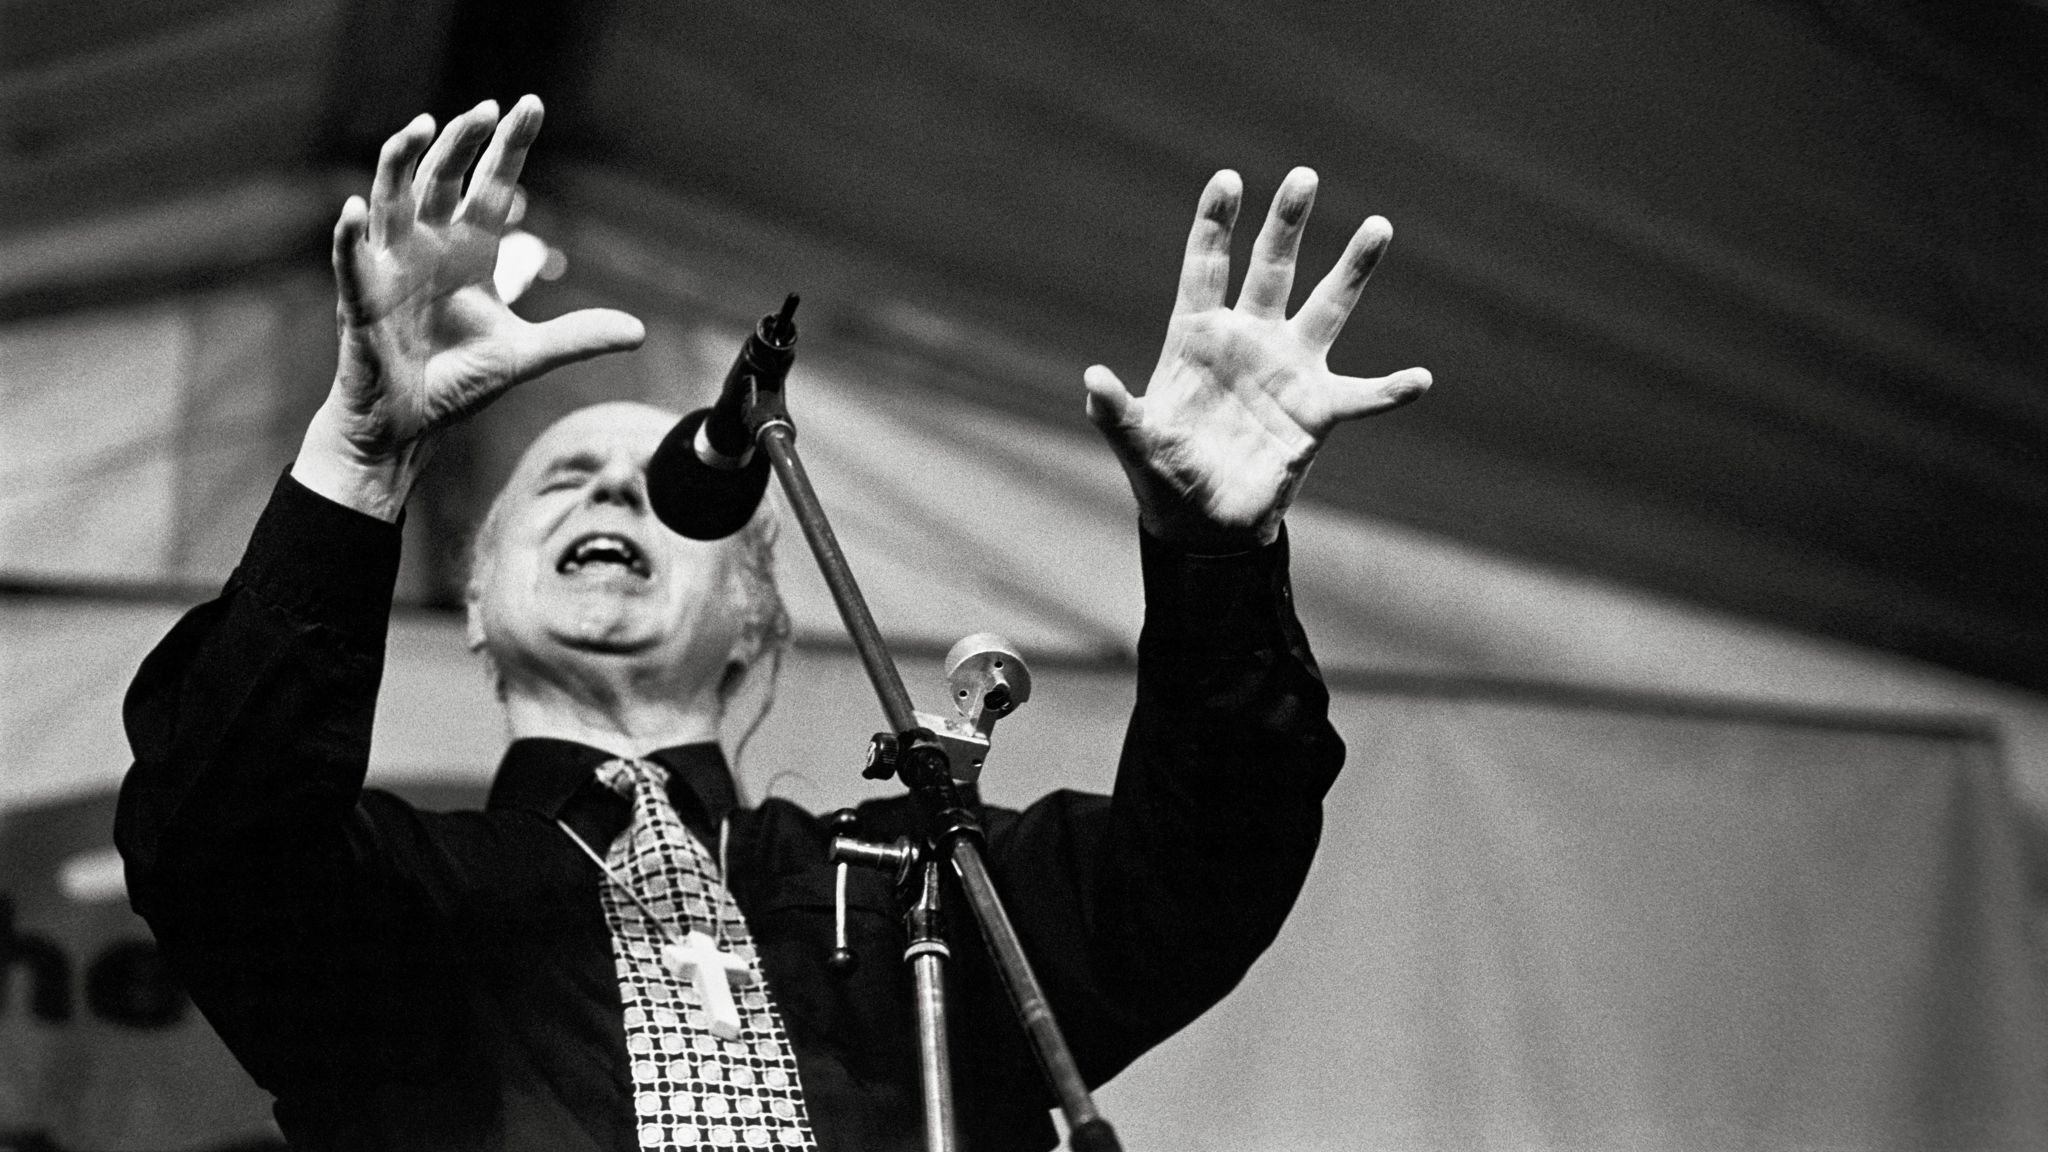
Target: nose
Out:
[621,481]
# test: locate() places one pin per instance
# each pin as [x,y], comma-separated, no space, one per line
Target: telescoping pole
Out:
[955,831]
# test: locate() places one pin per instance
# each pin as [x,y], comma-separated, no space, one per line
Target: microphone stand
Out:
[953,829]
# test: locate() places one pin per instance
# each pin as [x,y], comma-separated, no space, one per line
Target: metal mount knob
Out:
[841,961]
[883,752]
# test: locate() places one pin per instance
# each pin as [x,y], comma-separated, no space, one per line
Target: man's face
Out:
[575,570]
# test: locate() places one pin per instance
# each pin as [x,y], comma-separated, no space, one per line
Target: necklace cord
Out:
[620,881]
[724,837]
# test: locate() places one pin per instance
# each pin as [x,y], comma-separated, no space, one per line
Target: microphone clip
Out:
[752,396]
[987,679]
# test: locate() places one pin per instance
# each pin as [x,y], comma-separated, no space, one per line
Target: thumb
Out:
[577,336]
[1111,408]
[1352,397]
[348,267]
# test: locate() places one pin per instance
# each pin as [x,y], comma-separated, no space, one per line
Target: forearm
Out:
[1218,803]
[1143,909]
[251,722]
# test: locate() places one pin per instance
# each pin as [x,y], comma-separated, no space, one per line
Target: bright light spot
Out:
[522,256]
[93,877]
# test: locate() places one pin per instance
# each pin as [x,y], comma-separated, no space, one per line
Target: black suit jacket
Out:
[400,978]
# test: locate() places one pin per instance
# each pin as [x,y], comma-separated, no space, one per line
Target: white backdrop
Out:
[1535,922]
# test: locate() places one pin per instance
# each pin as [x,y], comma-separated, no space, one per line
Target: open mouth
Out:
[603,548]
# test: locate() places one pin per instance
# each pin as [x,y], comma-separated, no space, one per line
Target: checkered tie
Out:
[692,1086]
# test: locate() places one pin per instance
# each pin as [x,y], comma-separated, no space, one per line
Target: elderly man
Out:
[549,972]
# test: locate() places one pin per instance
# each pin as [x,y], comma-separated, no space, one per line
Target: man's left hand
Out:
[1243,397]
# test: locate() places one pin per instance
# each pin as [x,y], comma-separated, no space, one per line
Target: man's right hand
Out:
[425,340]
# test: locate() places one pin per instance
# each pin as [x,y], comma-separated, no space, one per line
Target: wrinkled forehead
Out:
[599,432]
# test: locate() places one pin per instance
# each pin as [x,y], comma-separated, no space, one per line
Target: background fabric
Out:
[1591,928]
[1537,921]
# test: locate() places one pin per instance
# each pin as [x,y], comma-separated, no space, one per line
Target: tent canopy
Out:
[1737,302]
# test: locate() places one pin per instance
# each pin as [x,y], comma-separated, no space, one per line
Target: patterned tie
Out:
[698,1081]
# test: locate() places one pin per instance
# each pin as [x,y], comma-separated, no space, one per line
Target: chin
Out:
[603,619]
[603,645]
[606,637]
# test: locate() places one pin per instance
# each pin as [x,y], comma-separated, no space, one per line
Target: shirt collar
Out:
[542,773]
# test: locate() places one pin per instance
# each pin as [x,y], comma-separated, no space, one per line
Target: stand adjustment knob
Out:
[883,752]
[841,961]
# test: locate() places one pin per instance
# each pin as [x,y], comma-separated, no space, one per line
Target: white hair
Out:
[750,589]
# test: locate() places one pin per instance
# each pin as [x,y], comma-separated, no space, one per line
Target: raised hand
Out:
[425,340]
[1243,397]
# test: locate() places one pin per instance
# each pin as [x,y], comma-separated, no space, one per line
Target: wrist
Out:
[1198,536]
[333,465]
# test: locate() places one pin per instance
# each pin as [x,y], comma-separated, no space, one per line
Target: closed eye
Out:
[570,472]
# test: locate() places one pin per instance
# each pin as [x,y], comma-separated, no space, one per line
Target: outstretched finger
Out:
[1353,396]
[391,192]
[491,189]
[348,257]
[1205,271]
[1270,277]
[1323,314]
[540,348]
[438,185]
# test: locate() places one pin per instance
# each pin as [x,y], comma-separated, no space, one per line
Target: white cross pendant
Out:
[713,973]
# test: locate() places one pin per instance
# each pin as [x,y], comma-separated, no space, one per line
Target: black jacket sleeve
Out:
[1142,910]
[251,721]
[305,914]
[250,725]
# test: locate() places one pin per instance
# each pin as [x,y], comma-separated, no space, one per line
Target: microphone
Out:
[706,479]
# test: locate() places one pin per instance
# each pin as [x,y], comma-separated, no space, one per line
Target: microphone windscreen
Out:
[693,498]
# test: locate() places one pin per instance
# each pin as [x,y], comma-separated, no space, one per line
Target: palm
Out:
[425,338]
[1242,397]
[1233,411]
[428,311]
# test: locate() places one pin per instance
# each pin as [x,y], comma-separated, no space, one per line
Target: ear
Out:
[738,663]
[729,683]
[473,618]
